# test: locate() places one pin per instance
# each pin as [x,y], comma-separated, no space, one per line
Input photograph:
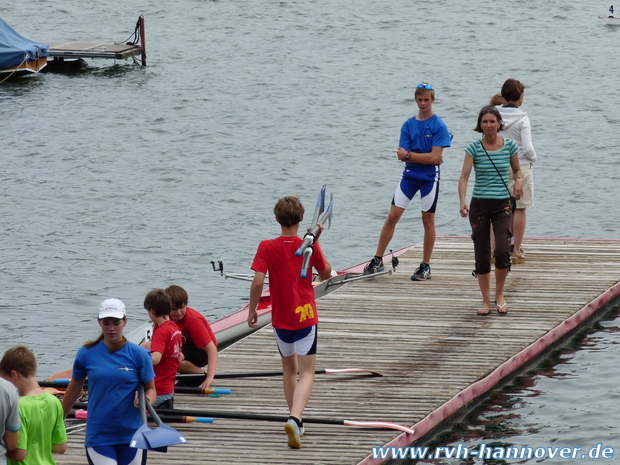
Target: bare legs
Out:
[188,367]
[428,220]
[518,228]
[387,232]
[484,282]
[297,391]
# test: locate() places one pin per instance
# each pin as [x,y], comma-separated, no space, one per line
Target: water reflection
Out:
[565,401]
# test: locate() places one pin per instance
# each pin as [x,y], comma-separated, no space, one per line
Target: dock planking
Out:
[426,339]
[93,50]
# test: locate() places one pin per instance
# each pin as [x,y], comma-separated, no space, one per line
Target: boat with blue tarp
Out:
[19,55]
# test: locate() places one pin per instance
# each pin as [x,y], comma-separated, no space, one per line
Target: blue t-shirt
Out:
[112,383]
[421,137]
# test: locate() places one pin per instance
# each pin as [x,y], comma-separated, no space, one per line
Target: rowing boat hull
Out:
[610,20]
[234,327]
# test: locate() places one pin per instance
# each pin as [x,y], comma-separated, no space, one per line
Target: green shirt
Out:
[489,185]
[42,425]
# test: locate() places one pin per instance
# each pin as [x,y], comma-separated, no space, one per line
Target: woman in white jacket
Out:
[517,127]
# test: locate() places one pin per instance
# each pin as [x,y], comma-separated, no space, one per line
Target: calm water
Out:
[120,179]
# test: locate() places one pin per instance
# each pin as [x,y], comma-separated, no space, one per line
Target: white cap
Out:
[112,308]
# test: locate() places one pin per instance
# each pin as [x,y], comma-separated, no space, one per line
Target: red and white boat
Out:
[234,327]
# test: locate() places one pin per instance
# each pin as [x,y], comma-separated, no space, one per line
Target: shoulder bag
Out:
[513,200]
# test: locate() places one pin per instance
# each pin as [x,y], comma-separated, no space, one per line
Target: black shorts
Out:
[196,355]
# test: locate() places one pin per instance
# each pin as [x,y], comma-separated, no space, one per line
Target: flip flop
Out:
[484,311]
[502,309]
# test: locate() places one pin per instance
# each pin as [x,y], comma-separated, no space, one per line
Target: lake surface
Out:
[120,179]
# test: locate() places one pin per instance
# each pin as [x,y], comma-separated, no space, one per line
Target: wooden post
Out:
[142,40]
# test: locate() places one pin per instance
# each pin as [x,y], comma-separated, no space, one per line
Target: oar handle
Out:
[60,381]
[153,413]
[142,401]
[306,263]
[308,240]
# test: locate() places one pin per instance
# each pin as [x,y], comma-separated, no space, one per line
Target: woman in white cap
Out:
[115,367]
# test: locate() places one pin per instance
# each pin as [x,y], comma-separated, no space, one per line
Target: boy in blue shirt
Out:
[422,140]
[9,418]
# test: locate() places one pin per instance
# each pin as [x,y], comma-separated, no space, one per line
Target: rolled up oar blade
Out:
[378,424]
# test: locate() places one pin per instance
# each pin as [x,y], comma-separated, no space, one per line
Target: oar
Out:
[279,418]
[199,390]
[157,439]
[320,206]
[283,419]
[260,374]
[83,415]
[178,389]
[311,236]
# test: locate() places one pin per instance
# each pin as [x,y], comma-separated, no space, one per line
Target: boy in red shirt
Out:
[165,346]
[293,308]
[199,343]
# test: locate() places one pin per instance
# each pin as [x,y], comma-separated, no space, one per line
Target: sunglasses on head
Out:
[425,85]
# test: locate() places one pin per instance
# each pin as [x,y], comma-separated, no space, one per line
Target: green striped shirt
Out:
[488,183]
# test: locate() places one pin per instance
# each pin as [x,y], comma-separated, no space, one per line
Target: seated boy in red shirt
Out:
[199,343]
[165,346]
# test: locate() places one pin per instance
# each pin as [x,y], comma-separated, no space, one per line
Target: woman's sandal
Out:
[502,309]
[484,311]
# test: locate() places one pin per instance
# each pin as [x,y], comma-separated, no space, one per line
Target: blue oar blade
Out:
[320,206]
[138,441]
[162,436]
[330,209]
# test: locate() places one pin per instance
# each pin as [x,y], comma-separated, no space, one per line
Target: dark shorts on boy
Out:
[196,355]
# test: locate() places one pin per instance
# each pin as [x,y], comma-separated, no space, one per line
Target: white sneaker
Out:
[293,433]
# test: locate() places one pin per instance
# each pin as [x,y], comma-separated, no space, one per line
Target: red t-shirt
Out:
[166,340]
[292,298]
[196,329]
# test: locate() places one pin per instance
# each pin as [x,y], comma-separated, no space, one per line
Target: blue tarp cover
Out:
[15,48]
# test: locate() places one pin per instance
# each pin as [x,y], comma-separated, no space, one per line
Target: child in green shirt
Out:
[42,420]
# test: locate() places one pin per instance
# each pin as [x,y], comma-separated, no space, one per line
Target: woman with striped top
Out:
[491,158]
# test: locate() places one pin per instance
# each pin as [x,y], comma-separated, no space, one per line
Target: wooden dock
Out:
[93,50]
[437,356]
